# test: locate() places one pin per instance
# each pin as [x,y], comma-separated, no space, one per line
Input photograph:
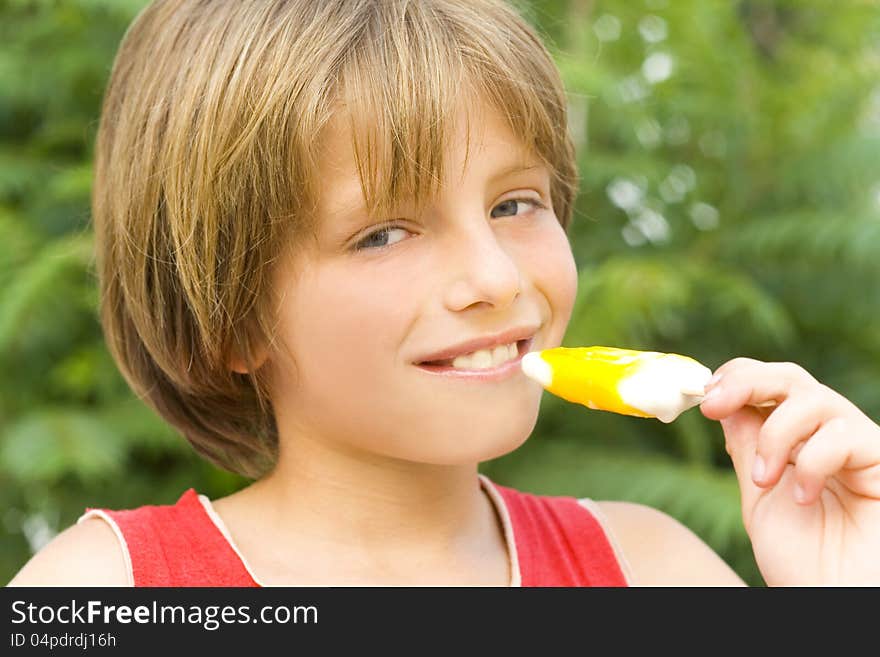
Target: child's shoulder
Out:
[85,554]
[659,549]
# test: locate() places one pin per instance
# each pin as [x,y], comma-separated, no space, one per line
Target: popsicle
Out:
[626,381]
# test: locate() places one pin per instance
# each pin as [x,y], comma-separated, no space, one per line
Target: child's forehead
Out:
[478,142]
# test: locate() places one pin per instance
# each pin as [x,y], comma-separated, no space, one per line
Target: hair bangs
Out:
[414,67]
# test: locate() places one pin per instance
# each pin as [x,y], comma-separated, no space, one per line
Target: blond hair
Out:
[205,167]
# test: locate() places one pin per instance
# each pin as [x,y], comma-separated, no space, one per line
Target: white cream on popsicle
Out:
[666,386]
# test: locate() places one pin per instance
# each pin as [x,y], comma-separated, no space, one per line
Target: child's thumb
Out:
[741,440]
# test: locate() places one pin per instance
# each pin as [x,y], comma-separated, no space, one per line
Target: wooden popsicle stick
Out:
[701,392]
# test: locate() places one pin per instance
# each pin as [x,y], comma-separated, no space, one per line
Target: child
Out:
[300,208]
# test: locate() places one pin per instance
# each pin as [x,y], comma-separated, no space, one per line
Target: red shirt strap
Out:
[178,545]
[559,542]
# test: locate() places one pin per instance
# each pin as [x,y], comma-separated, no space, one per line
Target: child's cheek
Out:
[554,275]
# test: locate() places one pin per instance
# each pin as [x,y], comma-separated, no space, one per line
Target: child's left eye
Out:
[512,203]
[379,239]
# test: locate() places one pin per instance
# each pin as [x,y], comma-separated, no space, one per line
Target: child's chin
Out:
[479,451]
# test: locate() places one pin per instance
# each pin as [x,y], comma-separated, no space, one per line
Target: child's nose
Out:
[481,270]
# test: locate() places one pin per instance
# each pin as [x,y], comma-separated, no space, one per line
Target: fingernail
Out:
[758,470]
[799,494]
[713,393]
[715,379]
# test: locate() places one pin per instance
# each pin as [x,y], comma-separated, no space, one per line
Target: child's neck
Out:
[416,523]
[414,503]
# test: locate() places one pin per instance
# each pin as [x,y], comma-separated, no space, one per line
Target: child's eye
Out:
[379,239]
[511,206]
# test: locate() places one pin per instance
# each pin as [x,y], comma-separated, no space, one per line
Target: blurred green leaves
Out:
[50,442]
[638,302]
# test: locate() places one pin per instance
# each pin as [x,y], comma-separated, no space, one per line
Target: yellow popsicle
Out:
[626,381]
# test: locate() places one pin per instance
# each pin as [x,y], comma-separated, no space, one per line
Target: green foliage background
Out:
[730,205]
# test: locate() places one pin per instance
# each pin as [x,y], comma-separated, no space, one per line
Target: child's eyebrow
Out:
[515,168]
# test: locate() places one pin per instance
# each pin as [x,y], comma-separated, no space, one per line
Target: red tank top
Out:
[557,541]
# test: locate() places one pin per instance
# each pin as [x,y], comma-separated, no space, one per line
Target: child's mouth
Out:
[498,360]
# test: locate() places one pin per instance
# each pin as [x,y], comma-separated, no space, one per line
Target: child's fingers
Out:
[747,382]
[836,445]
[822,455]
[741,434]
[790,423]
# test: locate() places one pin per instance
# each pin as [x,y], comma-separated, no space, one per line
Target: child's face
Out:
[478,263]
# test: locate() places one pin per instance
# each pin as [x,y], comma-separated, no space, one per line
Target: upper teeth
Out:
[486,358]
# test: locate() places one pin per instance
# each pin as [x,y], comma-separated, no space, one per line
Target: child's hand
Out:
[808,470]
